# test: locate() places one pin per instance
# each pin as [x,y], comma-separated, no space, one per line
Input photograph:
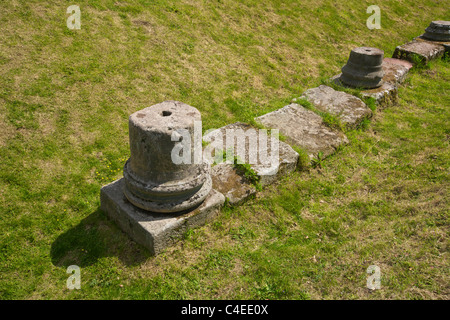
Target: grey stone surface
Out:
[438,31]
[279,162]
[155,231]
[233,186]
[153,181]
[363,68]
[305,129]
[424,50]
[350,109]
[446,44]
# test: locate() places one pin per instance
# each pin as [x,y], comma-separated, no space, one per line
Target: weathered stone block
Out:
[267,156]
[350,109]
[424,51]
[305,129]
[446,44]
[155,231]
[233,186]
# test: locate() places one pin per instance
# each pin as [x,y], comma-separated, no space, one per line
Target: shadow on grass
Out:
[93,238]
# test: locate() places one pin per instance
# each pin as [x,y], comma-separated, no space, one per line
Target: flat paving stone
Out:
[395,70]
[278,163]
[425,50]
[233,186]
[446,44]
[155,231]
[350,109]
[305,129]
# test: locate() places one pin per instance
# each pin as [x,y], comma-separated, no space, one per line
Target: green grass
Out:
[65,97]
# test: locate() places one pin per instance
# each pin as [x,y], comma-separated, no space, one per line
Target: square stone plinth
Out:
[305,129]
[155,231]
[233,186]
[349,109]
[423,50]
[267,162]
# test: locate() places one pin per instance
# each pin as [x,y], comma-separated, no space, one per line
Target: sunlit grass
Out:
[65,98]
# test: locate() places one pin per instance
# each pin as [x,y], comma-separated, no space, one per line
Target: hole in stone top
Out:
[166,113]
[368,50]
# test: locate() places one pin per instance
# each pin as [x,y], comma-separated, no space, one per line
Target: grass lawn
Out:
[65,97]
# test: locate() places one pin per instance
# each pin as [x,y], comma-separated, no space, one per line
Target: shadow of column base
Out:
[93,238]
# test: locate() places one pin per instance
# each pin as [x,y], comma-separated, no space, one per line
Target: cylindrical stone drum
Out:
[364,68]
[153,180]
[438,31]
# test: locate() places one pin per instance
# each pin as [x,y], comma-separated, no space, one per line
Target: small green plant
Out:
[189,234]
[246,170]
[446,57]
[418,61]
[305,103]
[303,160]
[370,102]
[364,124]
[331,121]
[318,161]
[205,143]
[243,168]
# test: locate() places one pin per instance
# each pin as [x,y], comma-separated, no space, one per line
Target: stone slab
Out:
[268,172]
[395,70]
[426,51]
[305,129]
[408,65]
[446,44]
[350,109]
[155,231]
[234,187]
